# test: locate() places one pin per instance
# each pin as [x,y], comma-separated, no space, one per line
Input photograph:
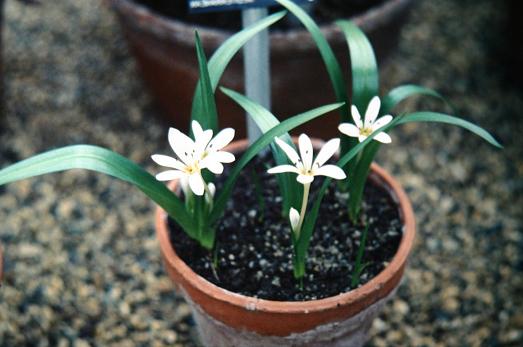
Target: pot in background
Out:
[165,52]
[225,318]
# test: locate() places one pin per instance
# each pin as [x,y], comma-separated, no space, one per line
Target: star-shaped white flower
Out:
[210,151]
[364,129]
[193,156]
[303,164]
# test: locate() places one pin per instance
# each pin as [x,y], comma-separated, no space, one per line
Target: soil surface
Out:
[255,248]
[323,11]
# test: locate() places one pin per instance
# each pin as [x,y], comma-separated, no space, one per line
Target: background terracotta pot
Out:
[225,318]
[165,52]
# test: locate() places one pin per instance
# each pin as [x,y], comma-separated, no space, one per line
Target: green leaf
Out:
[208,116]
[223,55]
[359,177]
[359,266]
[327,54]
[398,94]
[365,85]
[266,121]
[364,68]
[260,144]
[105,161]
[444,118]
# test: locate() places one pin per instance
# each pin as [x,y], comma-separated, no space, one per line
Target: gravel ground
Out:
[82,263]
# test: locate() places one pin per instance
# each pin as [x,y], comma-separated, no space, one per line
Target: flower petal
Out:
[165,160]
[170,175]
[213,166]
[221,140]
[326,152]
[349,129]
[294,218]
[362,138]
[372,111]
[382,121]
[305,179]
[383,137]
[197,129]
[356,117]
[282,169]
[197,184]
[182,145]
[221,156]
[306,153]
[331,171]
[213,161]
[289,151]
[201,142]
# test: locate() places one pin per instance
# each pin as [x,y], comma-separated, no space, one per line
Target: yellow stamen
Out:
[365,131]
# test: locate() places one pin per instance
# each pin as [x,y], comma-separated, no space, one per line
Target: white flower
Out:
[364,129]
[304,166]
[209,153]
[193,156]
[294,217]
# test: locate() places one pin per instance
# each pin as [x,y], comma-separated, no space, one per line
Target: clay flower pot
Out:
[225,318]
[165,51]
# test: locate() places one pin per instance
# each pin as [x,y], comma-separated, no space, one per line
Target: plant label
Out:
[231,5]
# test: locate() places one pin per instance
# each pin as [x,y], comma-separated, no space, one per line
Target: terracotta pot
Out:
[165,52]
[225,318]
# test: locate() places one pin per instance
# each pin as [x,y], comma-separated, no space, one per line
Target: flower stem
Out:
[306,188]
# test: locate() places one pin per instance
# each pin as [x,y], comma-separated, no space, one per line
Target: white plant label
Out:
[231,5]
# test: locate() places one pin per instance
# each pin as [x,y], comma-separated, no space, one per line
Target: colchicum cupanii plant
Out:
[200,155]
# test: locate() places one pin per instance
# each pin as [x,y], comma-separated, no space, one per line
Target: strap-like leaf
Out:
[266,121]
[445,118]
[331,63]
[208,116]
[359,177]
[398,94]
[364,68]
[365,84]
[260,144]
[223,55]
[105,161]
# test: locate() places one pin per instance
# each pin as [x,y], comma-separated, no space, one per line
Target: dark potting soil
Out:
[323,11]
[254,245]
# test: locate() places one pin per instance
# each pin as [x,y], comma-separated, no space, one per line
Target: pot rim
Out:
[376,284]
[149,20]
